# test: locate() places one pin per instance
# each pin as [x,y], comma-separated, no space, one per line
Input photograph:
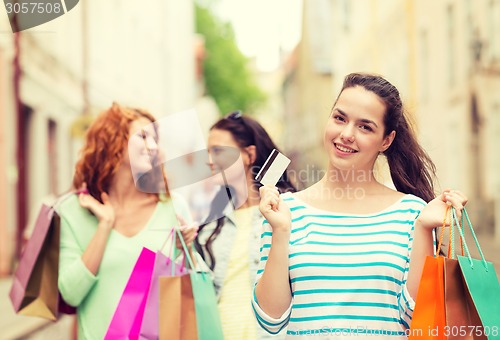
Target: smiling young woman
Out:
[345,255]
[104,229]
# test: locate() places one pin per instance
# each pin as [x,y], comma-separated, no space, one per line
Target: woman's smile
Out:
[344,149]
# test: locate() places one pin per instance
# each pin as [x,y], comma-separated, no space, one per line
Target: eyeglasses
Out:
[235,115]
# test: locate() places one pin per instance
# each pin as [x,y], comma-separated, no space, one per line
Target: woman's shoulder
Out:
[394,200]
[412,200]
[289,197]
[68,204]
[298,197]
[75,216]
[296,203]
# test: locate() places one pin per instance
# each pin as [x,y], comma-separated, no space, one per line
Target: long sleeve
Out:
[97,297]
[348,272]
[271,325]
[75,280]
[406,304]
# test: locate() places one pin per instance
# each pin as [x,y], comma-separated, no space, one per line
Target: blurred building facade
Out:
[53,75]
[458,94]
[307,92]
[7,149]
[443,56]
[270,115]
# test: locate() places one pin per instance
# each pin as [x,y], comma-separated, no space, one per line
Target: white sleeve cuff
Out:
[407,299]
[270,324]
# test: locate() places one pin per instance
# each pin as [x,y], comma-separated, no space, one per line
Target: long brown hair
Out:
[412,170]
[105,143]
[245,131]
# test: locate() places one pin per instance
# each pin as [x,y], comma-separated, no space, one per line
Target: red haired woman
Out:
[104,230]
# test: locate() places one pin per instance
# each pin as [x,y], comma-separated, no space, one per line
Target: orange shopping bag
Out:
[429,317]
[429,314]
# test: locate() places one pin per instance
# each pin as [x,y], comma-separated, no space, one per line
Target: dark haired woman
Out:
[230,245]
[344,257]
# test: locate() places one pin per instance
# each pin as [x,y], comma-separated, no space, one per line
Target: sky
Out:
[263,26]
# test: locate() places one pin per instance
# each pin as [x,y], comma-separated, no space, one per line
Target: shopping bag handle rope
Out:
[453,224]
[464,213]
[172,249]
[451,243]
[443,226]
[187,256]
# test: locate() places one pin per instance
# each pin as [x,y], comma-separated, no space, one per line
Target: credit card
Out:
[273,168]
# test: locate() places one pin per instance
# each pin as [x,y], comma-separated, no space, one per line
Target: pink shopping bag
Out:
[127,320]
[34,286]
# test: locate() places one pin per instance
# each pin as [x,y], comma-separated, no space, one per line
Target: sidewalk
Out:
[14,326]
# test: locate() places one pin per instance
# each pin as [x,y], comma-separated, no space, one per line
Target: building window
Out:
[450,21]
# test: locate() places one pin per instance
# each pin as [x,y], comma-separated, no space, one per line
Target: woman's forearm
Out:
[94,252]
[273,289]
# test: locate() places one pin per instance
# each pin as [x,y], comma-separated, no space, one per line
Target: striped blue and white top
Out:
[347,272]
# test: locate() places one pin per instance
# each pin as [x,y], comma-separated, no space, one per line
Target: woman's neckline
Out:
[145,227]
[331,212]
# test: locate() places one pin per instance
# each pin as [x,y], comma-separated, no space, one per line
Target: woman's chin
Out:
[341,164]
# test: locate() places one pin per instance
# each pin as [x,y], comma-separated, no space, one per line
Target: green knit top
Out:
[97,296]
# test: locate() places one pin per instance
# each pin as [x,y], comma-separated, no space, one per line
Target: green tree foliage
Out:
[227,78]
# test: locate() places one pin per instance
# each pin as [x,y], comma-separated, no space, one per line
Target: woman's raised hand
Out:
[433,214]
[104,212]
[275,211]
[189,232]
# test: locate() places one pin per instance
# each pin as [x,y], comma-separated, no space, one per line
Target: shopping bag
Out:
[34,288]
[207,312]
[127,319]
[163,267]
[429,314]
[482,284]
[188,305]
[176,308]
[429,311]
[462,321]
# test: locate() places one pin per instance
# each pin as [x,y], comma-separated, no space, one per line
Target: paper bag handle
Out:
[455,218]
